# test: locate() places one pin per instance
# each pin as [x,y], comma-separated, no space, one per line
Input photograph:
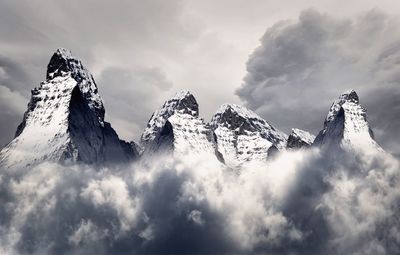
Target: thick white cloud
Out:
[302,202]
[112,191]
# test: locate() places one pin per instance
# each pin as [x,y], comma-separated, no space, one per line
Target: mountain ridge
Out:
[65,122]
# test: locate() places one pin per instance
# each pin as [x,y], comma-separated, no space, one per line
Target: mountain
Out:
[243,136]
[346,126]
[176,127]
[299,139]
[182,102]
[65,121]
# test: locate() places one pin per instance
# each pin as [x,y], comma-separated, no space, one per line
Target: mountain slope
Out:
[182,102]
[299,139]
[65,121]
[176,127]
[243,136]
[346,126]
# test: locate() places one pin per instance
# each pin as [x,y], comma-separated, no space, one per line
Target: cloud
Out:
[302,202]
[12,105]
[13,75]
[112,191]
[302,65]
[130,96]
[13,97]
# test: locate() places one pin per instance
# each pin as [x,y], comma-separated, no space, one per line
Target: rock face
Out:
[299,139]
[65,121]
[176,127]
[183,102]
[243,136]
[346,126]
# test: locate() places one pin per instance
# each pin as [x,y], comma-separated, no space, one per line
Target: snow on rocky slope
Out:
[346,126]
[243,136]
[176,127]
[299,139]
[182,102]
[65,121]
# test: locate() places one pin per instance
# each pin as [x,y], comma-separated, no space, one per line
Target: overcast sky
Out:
[286,60]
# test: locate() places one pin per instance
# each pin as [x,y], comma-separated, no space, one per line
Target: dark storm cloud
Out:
[302,66]
[12,101]
[12,75]
[303,202]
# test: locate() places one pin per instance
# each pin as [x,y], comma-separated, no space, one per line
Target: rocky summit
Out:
[346,126]
[176,127]
[64,121]
[243,136]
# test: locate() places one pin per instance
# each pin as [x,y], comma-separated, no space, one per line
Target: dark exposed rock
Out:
[299,139]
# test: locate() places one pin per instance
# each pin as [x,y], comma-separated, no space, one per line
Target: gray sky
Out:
[142,52]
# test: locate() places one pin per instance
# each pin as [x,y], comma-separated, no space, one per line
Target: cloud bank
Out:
[302,202]
[302,64]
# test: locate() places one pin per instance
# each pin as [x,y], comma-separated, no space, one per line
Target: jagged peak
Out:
[244,136]
[182,95]
[182,102]
[62,62]
[349,96]
[65,120]
[346,124]
[237,109]
[64,53]
[235,116]
[241,119]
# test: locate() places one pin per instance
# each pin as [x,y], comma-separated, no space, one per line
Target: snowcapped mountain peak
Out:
[176,127]
[61,63]
[182,102]
[65,121]
[243,120]
[346,125]
[243,136]
[65,53]
[64,64]
[234,116]
[348,96]
[180,95]
[238,118]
